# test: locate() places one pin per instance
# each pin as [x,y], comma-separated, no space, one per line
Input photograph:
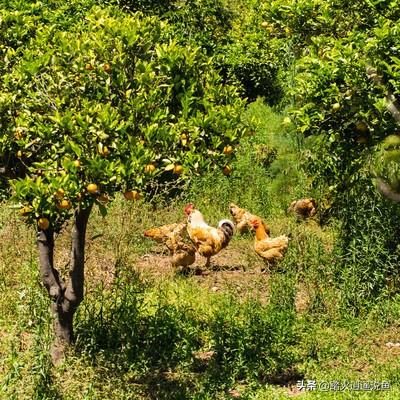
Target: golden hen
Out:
[303,208]
[243,218]
[270,249]
[174,236]
[208,240]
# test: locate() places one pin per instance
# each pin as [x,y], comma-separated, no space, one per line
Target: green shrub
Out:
[253,342]
[250,66]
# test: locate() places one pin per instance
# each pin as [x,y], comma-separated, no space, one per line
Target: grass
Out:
[146,332]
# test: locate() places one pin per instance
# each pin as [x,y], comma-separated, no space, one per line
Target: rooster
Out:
[303,208]
[208,240]
[243,218]
[270,249]
[173,236]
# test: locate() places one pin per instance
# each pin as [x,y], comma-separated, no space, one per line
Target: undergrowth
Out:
[146,336]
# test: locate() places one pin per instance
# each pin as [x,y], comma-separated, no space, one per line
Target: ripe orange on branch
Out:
[103,199]
[149,168]
[178,169]
[361,127]
[227,170]
[64,205]
[43,223]
[92,188]
[228,150]
[59,194]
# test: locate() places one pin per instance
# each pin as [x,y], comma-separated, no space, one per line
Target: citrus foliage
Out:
[336,45]
[112,102]
[338,69]
[254,57]
[204,23]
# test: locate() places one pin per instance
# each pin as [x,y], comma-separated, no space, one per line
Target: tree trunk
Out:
[65,297]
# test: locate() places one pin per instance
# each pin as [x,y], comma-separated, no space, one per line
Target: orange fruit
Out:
[103,199]
[149,168]
[64,205]
[92,188]
[178,169]
[228,150]
[59,194]
[361,127]
[107,67]
[89,67]
[43,223]
[227,170]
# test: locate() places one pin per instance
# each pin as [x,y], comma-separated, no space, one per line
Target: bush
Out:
[249,64]
[253,342]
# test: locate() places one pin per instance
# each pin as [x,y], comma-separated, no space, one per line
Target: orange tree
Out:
[336,65]
[110,103]
[343,88]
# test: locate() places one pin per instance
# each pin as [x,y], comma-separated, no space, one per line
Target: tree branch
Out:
[50,276]
[74,293]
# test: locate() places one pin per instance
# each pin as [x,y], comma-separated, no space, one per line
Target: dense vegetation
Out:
[142,98]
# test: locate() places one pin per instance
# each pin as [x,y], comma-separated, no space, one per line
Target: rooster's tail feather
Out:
[228,228]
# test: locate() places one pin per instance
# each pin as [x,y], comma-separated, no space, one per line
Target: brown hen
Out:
[174,236]
[303,208]
[243,218]
[270,249]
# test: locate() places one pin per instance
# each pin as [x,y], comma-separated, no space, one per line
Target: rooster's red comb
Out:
[188,208]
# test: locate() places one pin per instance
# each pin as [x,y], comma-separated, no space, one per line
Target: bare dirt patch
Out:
[235,269]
